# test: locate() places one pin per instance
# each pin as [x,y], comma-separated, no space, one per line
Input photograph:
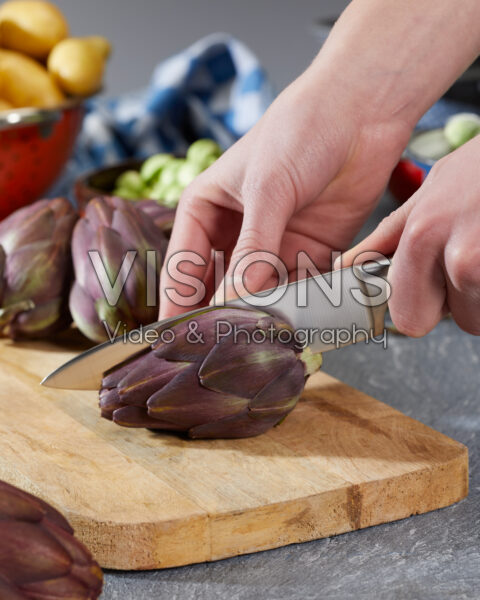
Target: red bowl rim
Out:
[24,117]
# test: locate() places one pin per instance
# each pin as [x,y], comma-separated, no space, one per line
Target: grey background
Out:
[144,32]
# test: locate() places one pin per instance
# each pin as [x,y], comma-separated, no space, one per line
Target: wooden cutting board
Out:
[139,500]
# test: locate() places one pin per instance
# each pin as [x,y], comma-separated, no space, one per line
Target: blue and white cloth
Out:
[216,88]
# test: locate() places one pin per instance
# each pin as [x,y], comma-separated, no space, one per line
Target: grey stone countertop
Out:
[434,556]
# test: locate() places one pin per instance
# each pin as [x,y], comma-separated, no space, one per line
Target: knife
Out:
[334,309]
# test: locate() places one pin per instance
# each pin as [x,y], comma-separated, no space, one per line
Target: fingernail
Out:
[232,288]
[221,294]
[338,262]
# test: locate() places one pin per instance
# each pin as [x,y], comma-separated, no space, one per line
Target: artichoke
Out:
[35,269]
[40,559]
[162,216]
[113,226]
[209,383]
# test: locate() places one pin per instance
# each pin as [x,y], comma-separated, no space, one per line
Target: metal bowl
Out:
[34,147]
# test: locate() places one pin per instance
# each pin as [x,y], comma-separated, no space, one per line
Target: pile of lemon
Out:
[40,65]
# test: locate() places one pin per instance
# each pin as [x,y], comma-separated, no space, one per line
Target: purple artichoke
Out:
[113,226]
[197,379]
[35,269]
[40,559]
[162,216]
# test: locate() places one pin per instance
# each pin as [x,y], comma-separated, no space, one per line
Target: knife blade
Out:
[352,301]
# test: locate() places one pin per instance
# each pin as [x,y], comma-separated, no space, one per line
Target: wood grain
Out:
[140,500]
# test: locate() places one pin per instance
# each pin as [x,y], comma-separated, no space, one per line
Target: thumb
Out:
[383,240]
[255,260]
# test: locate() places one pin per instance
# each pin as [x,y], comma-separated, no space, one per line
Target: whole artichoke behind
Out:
[113,226]
[222,387]
[35,269]
[40,559]
[162,216]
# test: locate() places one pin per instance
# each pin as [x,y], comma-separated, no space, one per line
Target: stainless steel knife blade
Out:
[334,310]
[85,371]
[334,306]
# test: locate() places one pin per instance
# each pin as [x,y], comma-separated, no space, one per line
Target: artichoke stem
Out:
[311,360]
[9,312]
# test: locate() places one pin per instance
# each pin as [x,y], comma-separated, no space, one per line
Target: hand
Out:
[303,179]
[436,239]
[309,173]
